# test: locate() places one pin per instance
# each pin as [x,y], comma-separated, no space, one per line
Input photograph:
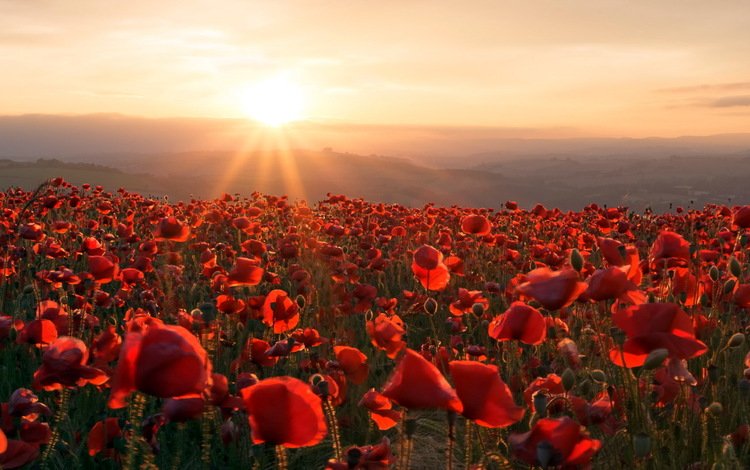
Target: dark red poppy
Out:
[486,399]
[102,435]
[551,385]
[613,283]
[374,457]
[280,312]
[386,333]
[64,365]
[520,322]
[741,217]
[246,272]
[284,411]
[554,442]
[653,326]
[476,224]
[160,360]
[18,453]
[669,248]
[169,228]
[466,301]
[417,383]
[104,269]
[742,295]
[552,289]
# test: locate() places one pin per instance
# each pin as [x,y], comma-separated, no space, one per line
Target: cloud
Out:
[708,88]
[731,101]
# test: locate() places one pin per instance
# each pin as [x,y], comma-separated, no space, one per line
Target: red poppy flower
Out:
[246,272]
[38,332]
[381,409]
[429,268]
[64,365]
[103,434]
[554,442]
[742,295]
[375,457]
[160,360]
[104,268]
[552,289]
[486,399]
[741,217]
[353,362]
[476,224]
[613,283]
[280,312]
[670,248]
[551,384]
[466,300]
[169,228]
[654,326]
[417,383]
[284,411]
[520,322]
[386,333]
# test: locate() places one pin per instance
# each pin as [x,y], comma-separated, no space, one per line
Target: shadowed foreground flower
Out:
[284,411]
[417,383]
[162,360]
[486,399]
[102,436]
[64,365]
[554,442]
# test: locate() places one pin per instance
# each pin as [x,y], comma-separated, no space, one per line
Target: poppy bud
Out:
[641,445]
[734,267]
[568,379]
[729,286]
[713,373]
[714,273]
[28,289]
[540,403]
[410,426]
[599,376]
[715,409]
[544,453]
[430,306]
[655,358]
[576,260]
[477,309]
[737,340]
[300,299]
[617,335]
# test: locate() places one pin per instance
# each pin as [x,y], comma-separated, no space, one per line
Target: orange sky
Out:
[616,68]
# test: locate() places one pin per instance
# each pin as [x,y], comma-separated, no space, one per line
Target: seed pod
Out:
[714,273]
[599,376]
[737,340]
[477,309]
[430,306]
[544,453]
[655,358]
[540,401]
[734,267]
[715,409]
[576,260]
[729,286]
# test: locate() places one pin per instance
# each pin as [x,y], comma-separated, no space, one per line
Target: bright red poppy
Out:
[554,442]
[381,409]
[280,312]
[654,326]
[386,333]
[353,362]
[429,268]
[486,399]
[246,272]
[552,289]
[670,248]
[161,360]
[476,224]
[171,229]
[613,283]
[417,383]
[284,411]
[520,322]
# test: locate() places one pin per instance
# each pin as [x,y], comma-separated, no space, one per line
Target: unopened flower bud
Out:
[576,259]
[430,306]
[598,375]
[544,453]
[734,267]
[729,285]
[714,409]
[737,340]
[568,379]
[540,403]
[714,273]
[655,358]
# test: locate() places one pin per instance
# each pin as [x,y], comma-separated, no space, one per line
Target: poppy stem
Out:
[468,444]
[135,415]
[451,440]
[62,411]
[334,427]
[281,458]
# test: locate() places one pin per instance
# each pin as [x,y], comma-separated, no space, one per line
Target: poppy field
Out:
[259,332]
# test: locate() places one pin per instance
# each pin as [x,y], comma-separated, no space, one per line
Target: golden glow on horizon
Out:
[274,101]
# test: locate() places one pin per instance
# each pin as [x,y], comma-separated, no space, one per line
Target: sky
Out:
[593,67]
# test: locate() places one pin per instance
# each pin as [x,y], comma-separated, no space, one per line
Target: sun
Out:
[274,102]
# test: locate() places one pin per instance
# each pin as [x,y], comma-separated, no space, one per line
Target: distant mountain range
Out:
[472,168]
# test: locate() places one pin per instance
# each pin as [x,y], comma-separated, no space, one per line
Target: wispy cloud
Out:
[731,101]
[709,88]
